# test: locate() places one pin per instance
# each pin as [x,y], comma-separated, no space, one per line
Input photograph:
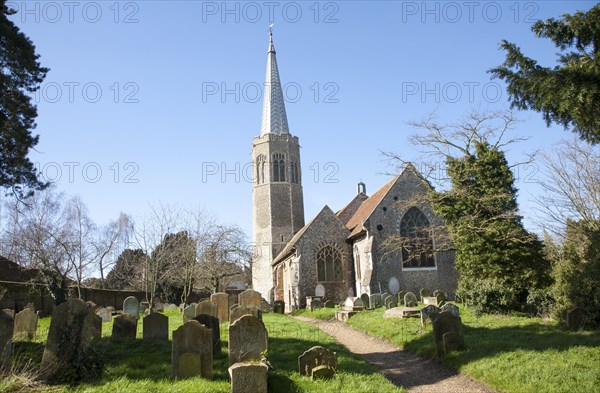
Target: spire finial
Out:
[271,46]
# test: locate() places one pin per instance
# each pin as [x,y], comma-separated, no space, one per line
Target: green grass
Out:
[319,313]
[512,354]
[141,366]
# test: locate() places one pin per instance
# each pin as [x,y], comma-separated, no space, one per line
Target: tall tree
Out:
[568,94]
[20,75]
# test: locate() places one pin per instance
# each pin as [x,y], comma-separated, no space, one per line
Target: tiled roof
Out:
[350,209]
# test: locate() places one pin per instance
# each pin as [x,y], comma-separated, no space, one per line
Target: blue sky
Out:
[157,101]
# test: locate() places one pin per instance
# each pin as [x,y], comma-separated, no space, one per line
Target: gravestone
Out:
[221,300]
[10,312]
[401,298]
[366,300]
[391,302]
[213,324]
[354,304]
[315,357]
[448,333]
[425,292]
[576,319]
[320,291]
[440,298]
[30,306]
[250,298]
[6,334]
[67,354]
[155,327]
[451,308]
[97,326]
[375,300]
[428,312]
[25,324]
[104,314]
[410,300]
[124,327]
[394,286]
[248,339]
[236,312]
[131,306]
[430,300]
[316,303]
[279,307]
[248,377]
[265,306]
[191,352]
[206,307]
[170,306]
[329,304]
[189,312]
[144,307]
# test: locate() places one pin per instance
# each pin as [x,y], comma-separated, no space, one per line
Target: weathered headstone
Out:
[189,312]
[105,314]
[447,330]
[366,300]
[248,377]
[451,308]
[221,300]
[576,319]
[440,298]
[279,307]
[250,298]
[265,306]
[131,306]
[155,327]
[236,312]
[72,329]
[6,334]
[25,324]
[391,302]
[213,324]
[410,300]
[320,291]
[394,286]
[248,339]
[375,300]
[170,306]
[425,292]
[315,357]
[206,307]
[329,304]
[316,303]
[191,353]
[97,326]
[401,298]
[124,327]
[354,304]
[427,312]
[384,297]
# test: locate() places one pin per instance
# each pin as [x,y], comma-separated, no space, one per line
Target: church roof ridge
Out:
[274,117]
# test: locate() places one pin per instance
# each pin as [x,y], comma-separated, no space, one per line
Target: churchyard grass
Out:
[142,366]
[510,353]
[319,313]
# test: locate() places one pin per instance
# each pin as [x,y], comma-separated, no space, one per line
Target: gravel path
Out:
[402,368]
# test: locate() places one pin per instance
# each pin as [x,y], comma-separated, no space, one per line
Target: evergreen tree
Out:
[20,75]
[568,94]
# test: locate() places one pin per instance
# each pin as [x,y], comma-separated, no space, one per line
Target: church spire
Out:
[274,119]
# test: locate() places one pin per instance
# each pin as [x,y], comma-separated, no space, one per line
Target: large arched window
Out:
[260,169]
[417,242]
[329,264]
[278,167]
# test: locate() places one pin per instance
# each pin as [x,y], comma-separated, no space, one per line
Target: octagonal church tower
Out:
[277,202]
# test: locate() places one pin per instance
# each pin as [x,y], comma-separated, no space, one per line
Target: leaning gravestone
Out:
[124,327]
[425,292]
[279,307]
[250,298]
[316,357]
[451,308]
[213,324]
[248,339]
[428,312]
[221,301]
[131,306]
[206,307]
[236,312]
[105,314]
[576,319]
[448,333]
[67,355]
[6,334]
[401,298]
[366,300]
[410,300]
[375,300]
[25,324]
[248,377]
[155,327]
[191,353]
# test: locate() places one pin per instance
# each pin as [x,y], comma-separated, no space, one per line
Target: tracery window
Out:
[329,264]
[278,167]
[417,242]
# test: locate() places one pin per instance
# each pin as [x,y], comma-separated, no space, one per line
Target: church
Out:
[338,253]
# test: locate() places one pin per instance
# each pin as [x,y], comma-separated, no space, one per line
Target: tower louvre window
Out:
[278,167]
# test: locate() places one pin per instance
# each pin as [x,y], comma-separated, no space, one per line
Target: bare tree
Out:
[111,240]
[571,188]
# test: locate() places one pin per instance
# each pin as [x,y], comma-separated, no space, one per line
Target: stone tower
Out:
[277,204]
